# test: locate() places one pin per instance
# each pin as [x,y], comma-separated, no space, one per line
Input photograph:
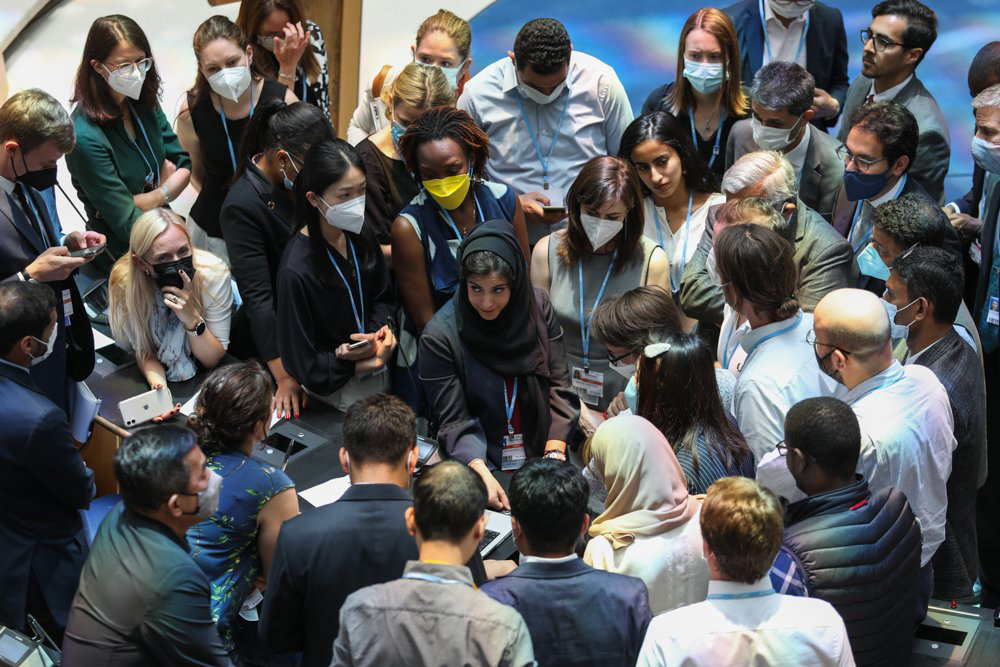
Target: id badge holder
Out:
[993,315]
[512,456]
[67,298]
[589,385]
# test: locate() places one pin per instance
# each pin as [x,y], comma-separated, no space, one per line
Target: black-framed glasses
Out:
[127,68]
[881,42]
[615,360]
[798,3]
[863,164]
[782,448]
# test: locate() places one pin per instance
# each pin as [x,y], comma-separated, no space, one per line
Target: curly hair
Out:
[893,125]
[544,44]
[446,123]
[232,401]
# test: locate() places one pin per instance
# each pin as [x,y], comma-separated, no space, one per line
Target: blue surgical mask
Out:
[986,155]
[870,264]
[863,186]
[897,331]
[632,395]
[704,77]
[287,182]
[451,73]
[396,132]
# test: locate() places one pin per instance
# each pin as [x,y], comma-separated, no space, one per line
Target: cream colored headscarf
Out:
[647,490]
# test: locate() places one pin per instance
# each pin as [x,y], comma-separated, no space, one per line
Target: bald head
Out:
[853,320]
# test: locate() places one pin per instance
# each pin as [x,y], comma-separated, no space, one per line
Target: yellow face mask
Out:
[450,191]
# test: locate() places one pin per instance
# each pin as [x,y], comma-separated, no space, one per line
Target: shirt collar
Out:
[797,156]
[771,17]
[7,185]
[459,573]
[539,559]
[727,588]
[888,95]
[890,195]
[912,358]
[11,363]
[754,336]
[889,376]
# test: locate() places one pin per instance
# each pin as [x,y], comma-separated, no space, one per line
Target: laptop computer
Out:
[497,529]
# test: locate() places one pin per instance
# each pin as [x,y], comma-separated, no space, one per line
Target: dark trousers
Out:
[988,501]
[925,584]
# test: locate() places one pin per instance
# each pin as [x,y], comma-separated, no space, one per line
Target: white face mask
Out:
[599,231]
[49,345]
[230,82]
[267,43]
[625,370]
[710,267]
[535,95]
[789,10]
[348,215]
[129,85]
[772,138]
[208,500]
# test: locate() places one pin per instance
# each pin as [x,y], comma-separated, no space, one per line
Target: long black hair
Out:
[662,127]
[292,127]
[678,393]
[326,163]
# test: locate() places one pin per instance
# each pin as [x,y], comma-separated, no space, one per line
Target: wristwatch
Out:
[199,328]
[557,454]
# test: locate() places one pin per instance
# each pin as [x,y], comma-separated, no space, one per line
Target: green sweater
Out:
[108,168]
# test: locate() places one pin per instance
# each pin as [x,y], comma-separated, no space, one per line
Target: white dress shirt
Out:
[797,156]
[731,353]
[597,115]
[539,559]
[890,94]
[673,244]
[906,414]
[860,233]
[748,624]
[784,42]
[779,371]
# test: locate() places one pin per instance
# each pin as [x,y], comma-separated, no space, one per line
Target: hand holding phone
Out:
[144,407]
[360,344]
[87,253]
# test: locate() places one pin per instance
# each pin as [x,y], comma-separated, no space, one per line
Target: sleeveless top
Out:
[215,155]
[564,292]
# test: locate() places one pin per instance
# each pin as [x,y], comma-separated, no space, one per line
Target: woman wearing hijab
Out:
[493,364]
[649,528]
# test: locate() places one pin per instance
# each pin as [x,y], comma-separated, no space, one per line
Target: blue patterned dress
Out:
[225,546]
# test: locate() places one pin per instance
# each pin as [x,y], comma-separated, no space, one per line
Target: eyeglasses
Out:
[615,360]
[811,339]
[128,68]
[881,43]
[797,3]
[863,164]
[782,448]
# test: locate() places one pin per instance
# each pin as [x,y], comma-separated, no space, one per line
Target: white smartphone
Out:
[89,252]
[142,408]
[360,344]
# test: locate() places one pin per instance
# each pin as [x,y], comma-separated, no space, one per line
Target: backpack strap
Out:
[379,80]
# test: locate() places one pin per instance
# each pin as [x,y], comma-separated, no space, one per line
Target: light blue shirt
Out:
[598,113]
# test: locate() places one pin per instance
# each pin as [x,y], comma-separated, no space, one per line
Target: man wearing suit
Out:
[778,36]
[43,480]
[576,615]
[780,102]
[823,258]
[897,39]
[36,131]
[925,288]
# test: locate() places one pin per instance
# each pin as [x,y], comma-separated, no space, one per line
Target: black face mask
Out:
[167,274]
[822,366]
[39,179]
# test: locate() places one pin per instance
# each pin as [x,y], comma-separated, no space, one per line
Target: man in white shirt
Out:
[547,110]
[743,621]
[781,107]
[897,39]
[903,411]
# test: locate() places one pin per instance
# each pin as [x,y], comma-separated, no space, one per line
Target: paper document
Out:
[84,410]
[187,409]
[327,492]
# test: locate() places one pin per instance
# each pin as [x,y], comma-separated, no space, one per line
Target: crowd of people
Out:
[730,373]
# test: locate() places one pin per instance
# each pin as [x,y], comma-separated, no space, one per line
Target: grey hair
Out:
[764,174]
[781,85]
[484,263]
[988,98]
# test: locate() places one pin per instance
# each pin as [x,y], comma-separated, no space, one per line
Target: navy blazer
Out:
[577,616]
[72,355]
[43,485]
[826,48]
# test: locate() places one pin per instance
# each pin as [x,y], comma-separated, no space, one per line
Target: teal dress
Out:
[225,546]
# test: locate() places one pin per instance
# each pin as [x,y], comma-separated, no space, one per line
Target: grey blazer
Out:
[822,171]
[824,260]
[934,150]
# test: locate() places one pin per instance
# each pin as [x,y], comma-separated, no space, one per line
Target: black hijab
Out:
[507,344]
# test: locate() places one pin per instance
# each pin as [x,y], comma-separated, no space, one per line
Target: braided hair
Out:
[446,123]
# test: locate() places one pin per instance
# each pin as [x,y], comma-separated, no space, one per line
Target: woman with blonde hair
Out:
[170,303]
[390,185]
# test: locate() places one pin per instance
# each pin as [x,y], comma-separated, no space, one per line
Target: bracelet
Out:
[558,454]
[166,194]
[290,77]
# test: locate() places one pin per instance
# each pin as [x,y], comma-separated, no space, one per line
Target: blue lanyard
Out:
[726,358]
[857,214]
[585,324]
[361,297]
[767,42]
[687,233]
[739,596]
[142,128]
[451,222]
[509,405]
[434,580]
[544,159]
[718,133]
[798,320]
[885,385]
[225,126]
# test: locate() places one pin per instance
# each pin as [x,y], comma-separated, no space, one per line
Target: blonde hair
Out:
[132,291]
[418,86]
[458,29]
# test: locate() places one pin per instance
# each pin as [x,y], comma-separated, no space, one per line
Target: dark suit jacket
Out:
[934,148]
[956,365]
[577,616]
[826,48]
[822,171]
[987,236]
[73,354]
[822,256]
[43,485]
[969,204]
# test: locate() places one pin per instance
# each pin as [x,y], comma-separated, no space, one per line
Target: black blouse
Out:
[388,188]
[315,314]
